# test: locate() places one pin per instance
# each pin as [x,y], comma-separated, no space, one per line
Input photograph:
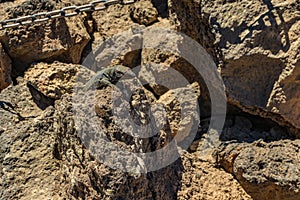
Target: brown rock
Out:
[57,40]
[259,48]
[285,97]
[91,179]
[265,170]
[256,47]
[201,180]
[181,110]
[144,13]
[5,69]
[27,165]
[52,80]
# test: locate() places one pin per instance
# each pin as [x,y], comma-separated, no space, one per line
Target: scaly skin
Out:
[108,76]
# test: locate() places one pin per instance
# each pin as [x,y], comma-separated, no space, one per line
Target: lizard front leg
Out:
[104,82]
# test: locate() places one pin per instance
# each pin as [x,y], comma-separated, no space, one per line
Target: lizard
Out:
[107,77]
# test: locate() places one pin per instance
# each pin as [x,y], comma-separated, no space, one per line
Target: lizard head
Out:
[119,71]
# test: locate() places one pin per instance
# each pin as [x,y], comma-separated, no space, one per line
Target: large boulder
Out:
[56,40]
[259,43]
[265,170]
[52,80]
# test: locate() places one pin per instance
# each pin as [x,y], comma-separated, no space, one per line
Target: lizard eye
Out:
[119,74]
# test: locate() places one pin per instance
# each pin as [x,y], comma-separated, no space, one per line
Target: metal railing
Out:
[68,11]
